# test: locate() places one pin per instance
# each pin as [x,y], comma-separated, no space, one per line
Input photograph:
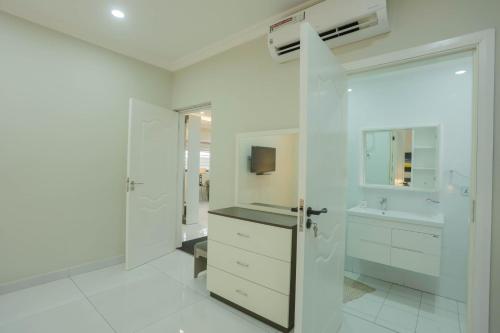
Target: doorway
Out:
[197,137]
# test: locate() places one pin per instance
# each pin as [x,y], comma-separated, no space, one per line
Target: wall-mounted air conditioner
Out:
[338,22]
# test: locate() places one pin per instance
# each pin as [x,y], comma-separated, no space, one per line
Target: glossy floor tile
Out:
[205,316]
[27,302]
[163,296]
[405,310]
[131,307]
[180,266]
[74,317]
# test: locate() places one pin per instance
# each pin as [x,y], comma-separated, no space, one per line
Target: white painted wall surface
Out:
[273,188]
[422,94]
[63,144]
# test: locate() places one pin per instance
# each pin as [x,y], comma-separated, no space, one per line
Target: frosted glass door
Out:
[322,187]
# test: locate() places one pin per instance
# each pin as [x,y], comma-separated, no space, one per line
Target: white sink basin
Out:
[394,215]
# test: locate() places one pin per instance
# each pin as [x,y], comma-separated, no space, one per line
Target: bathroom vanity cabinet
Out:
[251,263]
[395,239]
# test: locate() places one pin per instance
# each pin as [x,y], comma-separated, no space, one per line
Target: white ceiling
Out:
[168,33]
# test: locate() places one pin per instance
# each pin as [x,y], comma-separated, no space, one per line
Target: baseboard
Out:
[60,274]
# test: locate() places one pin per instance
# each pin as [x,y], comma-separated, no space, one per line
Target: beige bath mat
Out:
[355,289]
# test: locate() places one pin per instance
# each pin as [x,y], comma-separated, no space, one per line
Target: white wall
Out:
[277,188]
[63,137]
[423,94]
[250,92]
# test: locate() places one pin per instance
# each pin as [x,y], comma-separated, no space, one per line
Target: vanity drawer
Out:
[271,241]
[415,261]
[369,233]
[417,241]
[370,251]
[260,300]
[269,272]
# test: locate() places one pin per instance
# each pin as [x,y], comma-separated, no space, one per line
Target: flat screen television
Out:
[263,160]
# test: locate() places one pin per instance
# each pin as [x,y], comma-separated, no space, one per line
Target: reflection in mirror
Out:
[405,157]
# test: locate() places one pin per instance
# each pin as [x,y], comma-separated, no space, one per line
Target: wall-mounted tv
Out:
[263,160]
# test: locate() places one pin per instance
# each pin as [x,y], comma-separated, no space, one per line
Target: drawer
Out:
[369,233]
[417,241]
[269,272]
[368,250]
[415,261]
[260,300]
[271,241]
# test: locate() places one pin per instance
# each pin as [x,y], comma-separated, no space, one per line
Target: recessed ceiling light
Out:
[460,72]
[349,90]
[118,13]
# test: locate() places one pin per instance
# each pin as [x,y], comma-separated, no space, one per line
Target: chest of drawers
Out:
[251,263]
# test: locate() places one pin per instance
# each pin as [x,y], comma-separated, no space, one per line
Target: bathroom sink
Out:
[399,216]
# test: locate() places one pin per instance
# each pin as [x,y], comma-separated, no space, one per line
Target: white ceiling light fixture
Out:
[460,72]
[118,13]
[349,90]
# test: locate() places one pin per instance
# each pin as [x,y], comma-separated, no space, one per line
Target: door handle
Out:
[311,211]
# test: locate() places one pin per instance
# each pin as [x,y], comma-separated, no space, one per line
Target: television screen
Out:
[263,160]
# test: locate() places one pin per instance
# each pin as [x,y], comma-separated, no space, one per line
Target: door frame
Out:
[181,156]
[482,44]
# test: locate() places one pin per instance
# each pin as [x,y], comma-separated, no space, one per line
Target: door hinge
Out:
[473,211]
[128,184]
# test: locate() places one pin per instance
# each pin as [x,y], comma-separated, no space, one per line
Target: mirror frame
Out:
[362,163]
[239,136]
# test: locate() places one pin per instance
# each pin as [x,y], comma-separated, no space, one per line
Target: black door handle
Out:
[311,211]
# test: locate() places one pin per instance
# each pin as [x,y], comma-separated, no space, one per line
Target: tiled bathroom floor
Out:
[406,310]
[162,296]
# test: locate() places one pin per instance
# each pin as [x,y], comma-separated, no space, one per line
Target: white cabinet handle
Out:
[241,263]
[243,235]
[241,292]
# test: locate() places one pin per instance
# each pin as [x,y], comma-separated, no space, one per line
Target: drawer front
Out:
[417,241]
[369,233]
[369,251]
[271,241]
[369,242]
[415,261]
[269,272]
[260,300]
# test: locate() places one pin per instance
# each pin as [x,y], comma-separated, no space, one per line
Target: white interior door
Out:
[322,186]
[151,183]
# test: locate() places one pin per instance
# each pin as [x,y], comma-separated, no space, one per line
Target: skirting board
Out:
[60,274]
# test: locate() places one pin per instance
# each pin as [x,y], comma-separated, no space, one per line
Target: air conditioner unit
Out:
[338,22]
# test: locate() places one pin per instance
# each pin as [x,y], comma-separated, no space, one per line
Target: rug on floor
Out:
[188,246]
[354,289]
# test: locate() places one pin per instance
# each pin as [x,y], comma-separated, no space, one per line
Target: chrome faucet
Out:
[383,203]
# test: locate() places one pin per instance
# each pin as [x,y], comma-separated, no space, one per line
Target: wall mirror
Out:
[267,170]
[404,158]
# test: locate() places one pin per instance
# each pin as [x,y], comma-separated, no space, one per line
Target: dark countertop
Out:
[257,216]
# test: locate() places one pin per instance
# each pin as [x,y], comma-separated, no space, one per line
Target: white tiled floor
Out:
[162,296]
[200,229]
[404,310]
